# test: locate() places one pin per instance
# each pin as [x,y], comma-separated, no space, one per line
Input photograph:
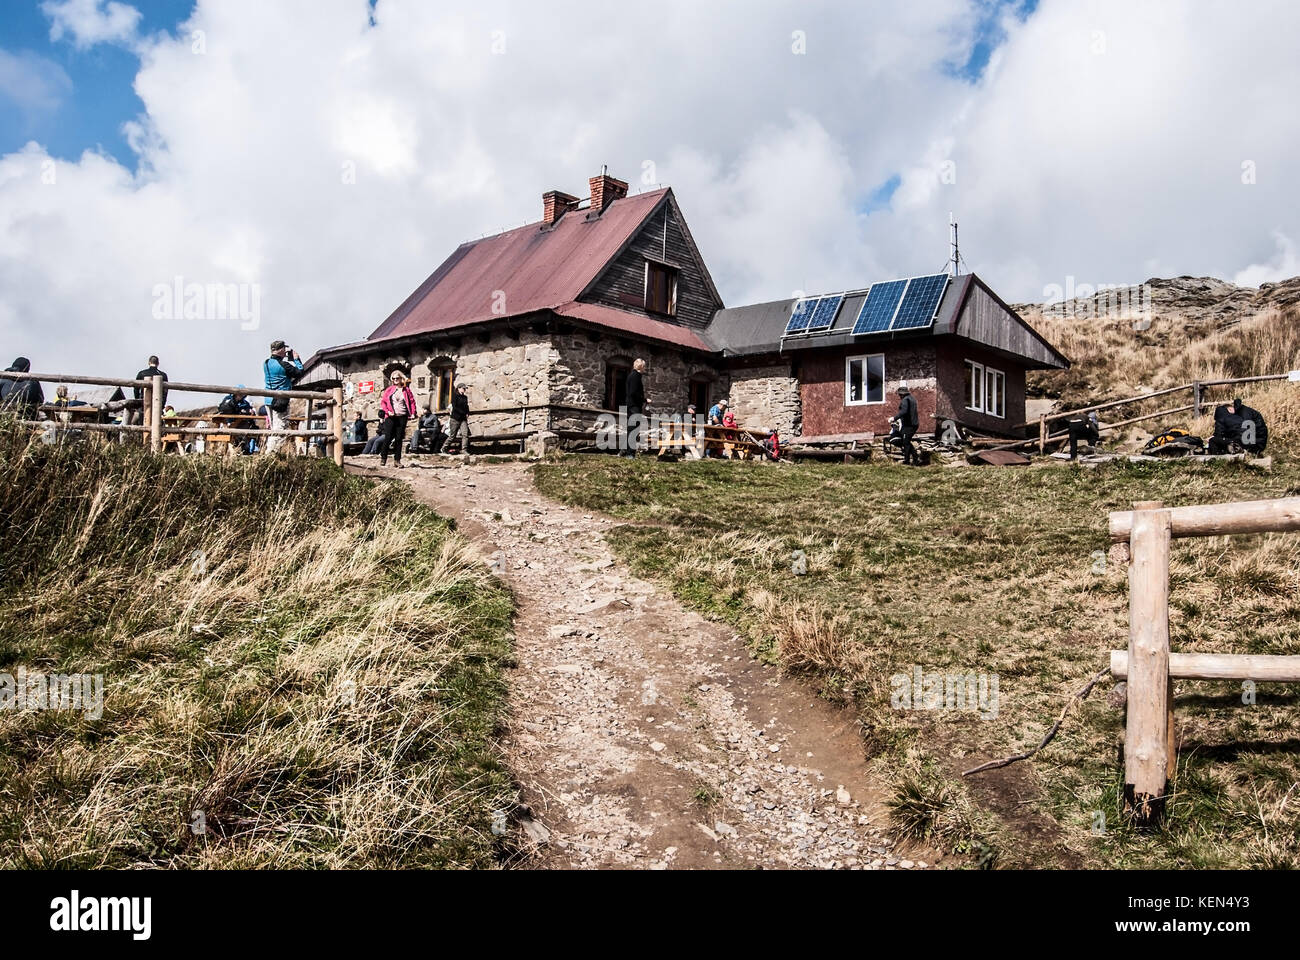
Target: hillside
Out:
[1199,328]
[298,668]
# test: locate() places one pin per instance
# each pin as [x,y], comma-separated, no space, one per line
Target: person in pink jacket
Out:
[398,402]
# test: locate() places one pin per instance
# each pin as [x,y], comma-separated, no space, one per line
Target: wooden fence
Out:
[1148,666]
[1196,389]
[153,422]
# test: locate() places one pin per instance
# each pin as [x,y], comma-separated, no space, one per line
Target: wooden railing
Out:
[1148,666]
[1196,388]
[155,424]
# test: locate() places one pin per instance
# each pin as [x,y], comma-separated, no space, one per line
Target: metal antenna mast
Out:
[955,261]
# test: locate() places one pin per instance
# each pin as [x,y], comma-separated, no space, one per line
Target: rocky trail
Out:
[642,734]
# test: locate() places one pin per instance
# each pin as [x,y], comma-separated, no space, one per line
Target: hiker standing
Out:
[1088,430]
[25,396]
[281,370]
[360,433]
[635,402]
[458,422]
[908,421]
[399,403]
[148,373]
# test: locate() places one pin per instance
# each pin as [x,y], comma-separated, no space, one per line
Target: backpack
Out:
[1173,440]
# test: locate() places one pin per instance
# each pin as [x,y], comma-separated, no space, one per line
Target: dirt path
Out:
[644,735]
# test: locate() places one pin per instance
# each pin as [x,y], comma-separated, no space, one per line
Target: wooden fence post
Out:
[155,423]
[146,410]
[336,420]
[1196,398]
[1149,732]
[1042,434]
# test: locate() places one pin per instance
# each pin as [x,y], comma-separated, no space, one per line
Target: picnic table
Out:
[221,442]
[699,440]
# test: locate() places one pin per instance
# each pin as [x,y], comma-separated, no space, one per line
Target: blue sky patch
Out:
[70,100]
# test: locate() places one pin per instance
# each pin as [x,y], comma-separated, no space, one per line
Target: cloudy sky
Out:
[326,155]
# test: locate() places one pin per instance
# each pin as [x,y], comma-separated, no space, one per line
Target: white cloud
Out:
[335,165]
[88,22]
[1284,264]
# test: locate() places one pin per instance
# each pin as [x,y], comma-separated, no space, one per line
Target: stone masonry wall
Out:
[577,370]
[503,372]
[766,397]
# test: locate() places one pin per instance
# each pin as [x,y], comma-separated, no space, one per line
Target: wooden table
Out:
[697,440]
[222,442]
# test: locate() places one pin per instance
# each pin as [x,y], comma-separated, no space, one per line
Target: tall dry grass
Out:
[300,668]
[1112,360]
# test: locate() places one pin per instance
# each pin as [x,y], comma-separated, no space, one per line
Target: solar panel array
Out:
[801,315]
[891,305]
[920,302]
[878,310]
[824,315]
[901,304]
[813,313]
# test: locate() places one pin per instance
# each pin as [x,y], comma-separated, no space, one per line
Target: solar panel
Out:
[824,315]
[878,310]
[920,302]
[801,315]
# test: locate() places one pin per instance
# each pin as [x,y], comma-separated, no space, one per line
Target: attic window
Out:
[660,288]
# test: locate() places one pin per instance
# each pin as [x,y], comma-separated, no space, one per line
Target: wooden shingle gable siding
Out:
[984,319]
[663,238]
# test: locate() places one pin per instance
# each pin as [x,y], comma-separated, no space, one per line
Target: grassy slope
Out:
[989,571]
[1111,360]
[307,664]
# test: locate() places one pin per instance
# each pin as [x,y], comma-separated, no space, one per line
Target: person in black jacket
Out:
[24,396]
[1237,424]
[147,373]
[360,433]
[908,421]
[458,421]
[635,402]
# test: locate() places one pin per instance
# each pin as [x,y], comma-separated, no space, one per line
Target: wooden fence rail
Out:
[1148,665]
[1196,388]
[154,425]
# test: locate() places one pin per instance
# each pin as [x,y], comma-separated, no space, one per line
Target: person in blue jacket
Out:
[282,369]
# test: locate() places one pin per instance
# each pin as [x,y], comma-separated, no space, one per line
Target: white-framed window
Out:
[986,390]
[995,390]
[864,379]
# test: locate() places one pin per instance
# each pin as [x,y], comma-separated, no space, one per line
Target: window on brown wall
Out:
[660,288]
[616,384]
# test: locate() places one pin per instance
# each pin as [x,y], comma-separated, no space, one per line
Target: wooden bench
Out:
[832,446]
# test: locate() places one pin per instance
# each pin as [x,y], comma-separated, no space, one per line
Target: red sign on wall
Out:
[366,386]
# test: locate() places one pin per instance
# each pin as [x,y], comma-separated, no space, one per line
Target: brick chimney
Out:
[555,205]
[605,190]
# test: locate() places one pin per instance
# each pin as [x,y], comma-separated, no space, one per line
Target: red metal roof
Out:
[636,324]
[532,267]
